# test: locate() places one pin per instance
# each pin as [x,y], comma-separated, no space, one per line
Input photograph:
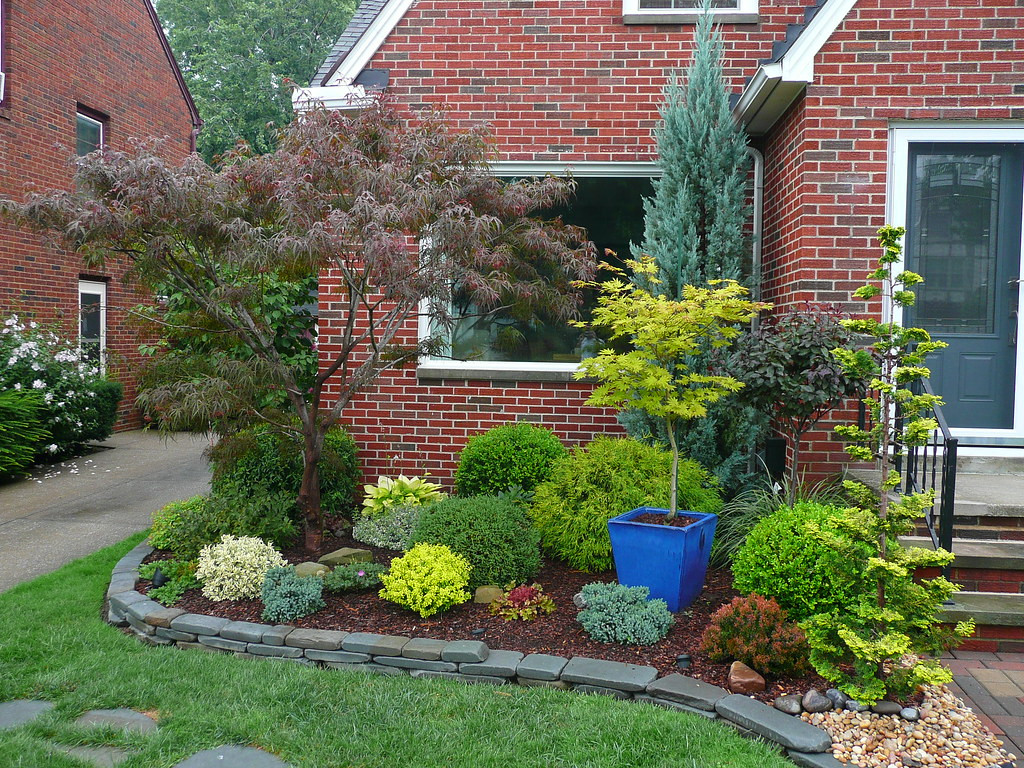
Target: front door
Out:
[964,237]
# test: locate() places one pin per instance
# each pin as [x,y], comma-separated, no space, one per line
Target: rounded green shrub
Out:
[614,613]
[428,579]
[287,597]
[234,568]
[494,535]
[510,456]
[782,559]
[259,459]
[606,478]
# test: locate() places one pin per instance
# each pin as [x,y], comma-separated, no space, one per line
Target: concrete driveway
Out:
[78,506]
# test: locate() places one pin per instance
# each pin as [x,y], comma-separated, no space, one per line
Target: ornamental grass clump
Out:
[234,569]
[524,603]
[428,579]
[618,614]
[510,456]
[287,596]
[757,631]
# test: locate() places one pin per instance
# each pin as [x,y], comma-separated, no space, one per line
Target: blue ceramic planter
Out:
[670,561]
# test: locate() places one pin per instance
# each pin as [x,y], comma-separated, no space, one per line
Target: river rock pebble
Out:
[790,704]
[837,697]
[947,735]
[815,701]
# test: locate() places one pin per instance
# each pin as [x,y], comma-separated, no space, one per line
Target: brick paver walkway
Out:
[992,684]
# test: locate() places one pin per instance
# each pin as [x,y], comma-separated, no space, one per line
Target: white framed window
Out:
[3,77]
[92,322]
[681,11]
[88,134]
[609,204]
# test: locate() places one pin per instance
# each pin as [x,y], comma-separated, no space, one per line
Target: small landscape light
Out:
[683,661]
[159,578]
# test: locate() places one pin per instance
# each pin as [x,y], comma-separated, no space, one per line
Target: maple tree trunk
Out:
[309,494]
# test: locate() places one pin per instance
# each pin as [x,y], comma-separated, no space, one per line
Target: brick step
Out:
[999,619]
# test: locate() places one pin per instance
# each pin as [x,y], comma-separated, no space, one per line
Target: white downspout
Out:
[757,235]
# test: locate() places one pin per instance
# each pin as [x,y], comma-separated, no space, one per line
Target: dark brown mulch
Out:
[558,633]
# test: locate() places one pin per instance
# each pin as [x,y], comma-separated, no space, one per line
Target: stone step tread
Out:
[987,608]
[977,495]
[979,553]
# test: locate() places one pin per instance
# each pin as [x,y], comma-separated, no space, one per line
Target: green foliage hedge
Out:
[782,559]
[22,432]
[509,456]
[258,459]
[99,424]
[494,535]
[608,477]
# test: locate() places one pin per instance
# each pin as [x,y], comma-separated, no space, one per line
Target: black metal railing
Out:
[928,467]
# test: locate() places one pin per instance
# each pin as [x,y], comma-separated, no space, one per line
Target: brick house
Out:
[860,112]
[74,77]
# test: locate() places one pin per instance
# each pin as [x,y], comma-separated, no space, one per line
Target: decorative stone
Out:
[497,664]
[122,600]
[232,757]
[346,555]
[579,601]
[886,708]
[913,714]
[337,657]
[173,634]
[687,690]
[541,666]
[424,648]
[320,639]
[815,701]
[124,719]
[249,631]
[742,679]
[276,635]
[198,624]
[307,569]
[101,757]
[375,645]
[375,669]
[487,594]
[162,617]
[790,704]
[855,706]
[674,705]
[837,697]
[609,674]
[468,651]
[791,732]
[21,711]
[472,679]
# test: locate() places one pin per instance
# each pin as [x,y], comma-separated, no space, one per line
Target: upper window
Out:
[88,134]
[676,11]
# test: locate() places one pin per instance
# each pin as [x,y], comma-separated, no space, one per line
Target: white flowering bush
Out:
[234,568]
[78,404]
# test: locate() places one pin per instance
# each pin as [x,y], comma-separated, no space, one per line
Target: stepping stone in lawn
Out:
[101,757]
[233,757]
[21,711]
[125,719]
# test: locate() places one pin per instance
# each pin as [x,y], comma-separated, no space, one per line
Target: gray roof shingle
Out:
[365,15]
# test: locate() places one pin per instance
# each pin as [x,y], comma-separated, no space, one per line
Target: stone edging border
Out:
[469,661]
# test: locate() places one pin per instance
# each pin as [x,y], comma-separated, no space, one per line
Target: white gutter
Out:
[340,98]
[758,226]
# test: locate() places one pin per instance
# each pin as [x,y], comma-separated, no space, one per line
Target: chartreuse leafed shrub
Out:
[784,558]
[181,577]
[259,460]
[618,614]
[287,597]
[234,568]
[185,527]
[397,492]
[494,535]
[510,456]
[22,431]
[391,529]
[429,578]
[353,577]
[608,477]
[757,631]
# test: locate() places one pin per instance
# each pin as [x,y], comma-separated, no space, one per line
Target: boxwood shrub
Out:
[606,478]
[509,456]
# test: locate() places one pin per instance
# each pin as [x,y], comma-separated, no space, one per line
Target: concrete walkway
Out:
[72,508]
[992,684]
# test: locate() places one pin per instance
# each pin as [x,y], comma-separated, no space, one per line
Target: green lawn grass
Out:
[54,646]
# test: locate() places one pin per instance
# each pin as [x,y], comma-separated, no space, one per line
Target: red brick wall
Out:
[59,54]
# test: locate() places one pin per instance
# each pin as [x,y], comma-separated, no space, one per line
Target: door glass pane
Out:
[954,201]
[89,329]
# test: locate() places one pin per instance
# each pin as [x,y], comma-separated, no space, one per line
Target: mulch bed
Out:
[558,633]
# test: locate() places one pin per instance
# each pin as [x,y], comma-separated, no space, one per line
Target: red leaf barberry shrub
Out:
[757,631]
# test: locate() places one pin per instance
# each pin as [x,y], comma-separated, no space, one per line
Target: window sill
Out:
[434,372]
[670,17]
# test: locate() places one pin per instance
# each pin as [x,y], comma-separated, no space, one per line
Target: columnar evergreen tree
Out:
[694,230]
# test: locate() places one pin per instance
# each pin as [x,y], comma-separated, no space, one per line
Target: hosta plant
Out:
[402,490]
[524,603]
[234,568]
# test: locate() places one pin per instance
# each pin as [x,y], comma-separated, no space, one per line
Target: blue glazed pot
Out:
[670,561]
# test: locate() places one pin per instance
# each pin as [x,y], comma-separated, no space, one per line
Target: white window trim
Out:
[745,12]
[94,287]
[522,169]
[901,136]
[83,116]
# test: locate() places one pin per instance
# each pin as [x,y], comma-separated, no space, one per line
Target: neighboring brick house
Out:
[76,76]
[865,112]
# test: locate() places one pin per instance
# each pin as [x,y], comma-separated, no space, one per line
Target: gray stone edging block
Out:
[374,644]
[318,639]
[122,600]
[468,651]
[140,626]
[248,631]
[814,760]
[337,657]
[609,674]
[222,643]
[142,608]
[281,651]
[162,617]
[497,664]
[198,623]
[174,634]
[277,634]
[475,679]
[424,648]
[404,663]
[674,705]
[764,720]
[687,690]
[541,666]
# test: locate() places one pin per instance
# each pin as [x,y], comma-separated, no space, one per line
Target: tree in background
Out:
[349,195]
[694,230]
[238,56]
